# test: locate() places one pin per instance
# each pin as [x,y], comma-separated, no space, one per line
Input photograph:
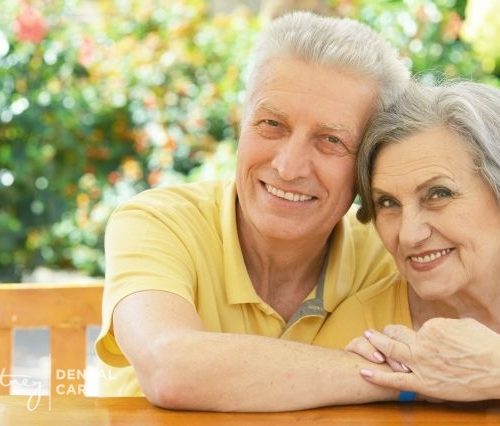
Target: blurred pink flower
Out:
[86,53]
[452,27]
[30,25]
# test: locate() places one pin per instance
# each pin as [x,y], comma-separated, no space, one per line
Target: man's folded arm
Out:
[181,366]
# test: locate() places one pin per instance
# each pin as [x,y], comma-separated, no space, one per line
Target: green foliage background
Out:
[120,96]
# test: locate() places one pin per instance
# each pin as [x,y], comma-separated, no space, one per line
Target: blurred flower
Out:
[30,25]
[141,140]
[155,177]
[87,52]
[114,177]
[132,169]
[4,45]
[452,27]
[82,200]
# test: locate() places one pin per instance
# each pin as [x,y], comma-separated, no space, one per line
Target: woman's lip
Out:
[429,259]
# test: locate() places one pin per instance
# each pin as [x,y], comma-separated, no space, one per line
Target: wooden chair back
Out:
[66,310]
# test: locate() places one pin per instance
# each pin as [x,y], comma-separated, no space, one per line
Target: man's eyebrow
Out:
[267,107]
[334,127]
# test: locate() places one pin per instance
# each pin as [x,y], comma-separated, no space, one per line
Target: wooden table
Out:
[20,410]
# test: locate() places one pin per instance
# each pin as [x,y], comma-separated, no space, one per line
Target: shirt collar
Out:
[338,273]
[239,288]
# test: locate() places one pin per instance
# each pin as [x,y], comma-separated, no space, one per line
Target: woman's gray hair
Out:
[336,42]
[470,110]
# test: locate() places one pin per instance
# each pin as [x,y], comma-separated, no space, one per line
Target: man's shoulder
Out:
[388,288]
[364,233]
[350,216]
[370,260]
[189,196]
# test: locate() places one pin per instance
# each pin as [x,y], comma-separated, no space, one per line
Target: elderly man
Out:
[216,290]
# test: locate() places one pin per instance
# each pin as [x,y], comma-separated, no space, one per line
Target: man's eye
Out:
[334,140]
[272,123]
[333,145]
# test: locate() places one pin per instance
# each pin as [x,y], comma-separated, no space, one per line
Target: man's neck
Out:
[283,273]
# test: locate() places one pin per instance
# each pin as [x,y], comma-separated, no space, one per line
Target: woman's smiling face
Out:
[436,214]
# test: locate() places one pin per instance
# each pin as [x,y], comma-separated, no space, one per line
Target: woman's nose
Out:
[414,229]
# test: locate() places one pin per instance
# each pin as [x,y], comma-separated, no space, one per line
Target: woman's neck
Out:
[482,306]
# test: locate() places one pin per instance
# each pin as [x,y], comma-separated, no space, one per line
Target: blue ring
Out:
[407,396]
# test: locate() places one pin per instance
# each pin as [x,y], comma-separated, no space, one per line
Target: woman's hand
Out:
[363,347]
[450,359]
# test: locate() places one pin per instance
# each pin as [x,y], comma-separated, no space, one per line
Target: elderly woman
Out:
[429,178]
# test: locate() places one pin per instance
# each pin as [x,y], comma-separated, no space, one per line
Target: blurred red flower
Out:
[30,25]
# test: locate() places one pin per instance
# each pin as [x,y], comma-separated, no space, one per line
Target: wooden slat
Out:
[67,361]
[67,310]
[23,305]
[5,359]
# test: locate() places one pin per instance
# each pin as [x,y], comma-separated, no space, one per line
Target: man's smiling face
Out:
[296,154]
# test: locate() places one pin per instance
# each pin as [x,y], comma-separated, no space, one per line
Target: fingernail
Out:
[368,333]
[378,356]
[366,373]
[405,368]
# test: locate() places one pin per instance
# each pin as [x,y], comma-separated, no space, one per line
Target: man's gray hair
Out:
[470,110]
[333,42]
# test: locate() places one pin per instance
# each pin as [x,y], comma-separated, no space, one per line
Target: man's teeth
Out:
[290,196]
[430,257]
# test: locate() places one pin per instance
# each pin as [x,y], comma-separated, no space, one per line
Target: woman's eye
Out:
[384,203]
[439,193]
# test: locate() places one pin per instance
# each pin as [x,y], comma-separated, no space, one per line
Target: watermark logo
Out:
[35,386]
[72,381]
[69,382]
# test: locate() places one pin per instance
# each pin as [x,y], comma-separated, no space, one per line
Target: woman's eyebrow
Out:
[377,192]
[430,181]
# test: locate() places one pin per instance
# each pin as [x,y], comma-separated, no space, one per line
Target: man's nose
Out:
[414,227]
[293,158]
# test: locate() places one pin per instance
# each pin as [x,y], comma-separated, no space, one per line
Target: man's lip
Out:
[287,189]
[288,195]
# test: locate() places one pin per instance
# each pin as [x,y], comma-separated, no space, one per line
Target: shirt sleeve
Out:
[145,250]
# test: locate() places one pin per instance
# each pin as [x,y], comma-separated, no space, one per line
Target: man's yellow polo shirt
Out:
[374,307]
[184,240]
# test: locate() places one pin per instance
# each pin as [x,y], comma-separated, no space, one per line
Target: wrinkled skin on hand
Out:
[449,359]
